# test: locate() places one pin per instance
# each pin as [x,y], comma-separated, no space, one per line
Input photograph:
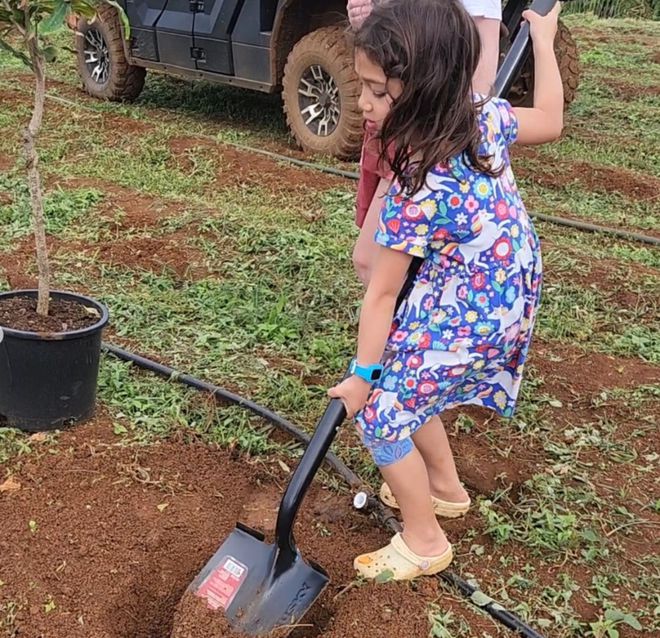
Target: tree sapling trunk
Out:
[34,178]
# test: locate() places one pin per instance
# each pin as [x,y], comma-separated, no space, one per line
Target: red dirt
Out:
[238,167]
[129,208]
[168,253]
[583,375]
[118,533]
[6,162]
[483,471]
[156,254]
[593,177]
[10,98]
[628,91]
[119,127]
[20,266]
[400,614]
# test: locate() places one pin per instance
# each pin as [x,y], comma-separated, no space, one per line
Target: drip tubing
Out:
[384,515]
[552,219]
[229,397]
[339,172]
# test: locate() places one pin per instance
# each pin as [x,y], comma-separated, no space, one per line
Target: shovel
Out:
[263,587]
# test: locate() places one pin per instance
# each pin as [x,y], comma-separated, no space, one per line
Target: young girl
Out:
[376,176]
[462,335]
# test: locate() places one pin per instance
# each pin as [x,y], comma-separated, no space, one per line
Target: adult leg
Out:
[365,247]
[489,33]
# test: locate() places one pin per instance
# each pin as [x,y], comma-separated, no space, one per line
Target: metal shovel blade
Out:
[258,586]
[262,587]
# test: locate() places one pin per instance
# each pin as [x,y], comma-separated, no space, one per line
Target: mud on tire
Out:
[522,92]
[101,59]
[320,94]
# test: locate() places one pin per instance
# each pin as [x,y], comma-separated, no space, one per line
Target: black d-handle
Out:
[519,50]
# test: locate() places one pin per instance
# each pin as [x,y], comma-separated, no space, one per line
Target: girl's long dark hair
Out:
[433,47]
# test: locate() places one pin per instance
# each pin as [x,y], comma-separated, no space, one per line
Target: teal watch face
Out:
[376,373]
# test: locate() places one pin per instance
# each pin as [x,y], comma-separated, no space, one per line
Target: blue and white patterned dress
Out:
[463,334]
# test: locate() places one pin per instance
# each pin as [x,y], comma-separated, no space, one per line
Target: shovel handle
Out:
[320,443]
[519,50]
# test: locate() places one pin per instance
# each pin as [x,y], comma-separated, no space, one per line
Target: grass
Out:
[270,311]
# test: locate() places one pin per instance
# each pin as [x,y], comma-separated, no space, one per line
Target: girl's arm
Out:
[388,276]
[545,121]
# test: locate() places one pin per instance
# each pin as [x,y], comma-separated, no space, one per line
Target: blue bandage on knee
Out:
[387,453]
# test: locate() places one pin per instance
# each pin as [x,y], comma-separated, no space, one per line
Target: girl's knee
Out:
[385,453]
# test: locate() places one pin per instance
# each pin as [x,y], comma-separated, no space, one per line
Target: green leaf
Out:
[55,20]
[15,52]
[480,599]
[614,615]
[631,621]
[119,429]
[384,577]
[589,535]
[50,54]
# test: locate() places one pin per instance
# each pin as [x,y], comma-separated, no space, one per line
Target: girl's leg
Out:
[489,33]
[433,445]
[365,247]
[409,481]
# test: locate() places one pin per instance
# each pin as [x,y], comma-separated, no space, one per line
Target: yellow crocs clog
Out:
[445,509]
[397,562]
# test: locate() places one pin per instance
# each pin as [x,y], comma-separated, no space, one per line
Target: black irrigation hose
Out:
[229,397]
[384,515]
[338,172]
[552,219]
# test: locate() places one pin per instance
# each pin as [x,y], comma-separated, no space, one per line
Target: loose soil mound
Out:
[360,612]
[101,540]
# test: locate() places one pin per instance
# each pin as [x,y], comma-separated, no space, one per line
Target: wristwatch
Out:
[368,373]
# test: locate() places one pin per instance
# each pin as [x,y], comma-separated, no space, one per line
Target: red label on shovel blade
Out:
[221,585]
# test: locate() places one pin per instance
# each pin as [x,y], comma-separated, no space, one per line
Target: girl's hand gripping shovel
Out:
[262,587]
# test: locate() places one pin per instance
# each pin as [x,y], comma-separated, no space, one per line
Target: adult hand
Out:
[358,10]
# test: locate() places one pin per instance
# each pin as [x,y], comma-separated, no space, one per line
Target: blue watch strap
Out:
[369,373]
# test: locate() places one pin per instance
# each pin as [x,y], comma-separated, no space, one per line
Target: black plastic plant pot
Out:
[48,380]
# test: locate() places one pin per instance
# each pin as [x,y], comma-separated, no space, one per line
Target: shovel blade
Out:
[257,593]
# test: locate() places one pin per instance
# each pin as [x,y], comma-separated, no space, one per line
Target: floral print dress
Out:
[462,335]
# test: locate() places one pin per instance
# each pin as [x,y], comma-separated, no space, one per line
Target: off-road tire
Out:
[522,92]
[328,48]
[124,81]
